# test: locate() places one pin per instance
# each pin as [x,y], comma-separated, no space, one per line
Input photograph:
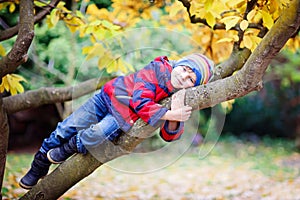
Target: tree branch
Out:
[36,98]
[18,53]
[10,32]
[3,142]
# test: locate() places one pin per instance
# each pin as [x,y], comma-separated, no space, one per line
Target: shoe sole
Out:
[26,187]
[50,159]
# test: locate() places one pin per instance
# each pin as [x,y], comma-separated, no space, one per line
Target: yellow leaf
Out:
[175,9]
[106,24]
[230,21]
[92,9]
[54,18]
[235,3]
[11,83]
[86,50]
[18,77]
[104,61]
[112,67]
[40,3]
[2,50]
[13,91]
[122,66]
[48,21]
[19,87]
[251,15]
[248,42]
[195,7]
[244,25]
[256,40]
[61,5]
[210,19]
[5,82]
[79,14]
[96,50]
[267,19]
[12,7]
[225,40]
[125,66]
[207,5]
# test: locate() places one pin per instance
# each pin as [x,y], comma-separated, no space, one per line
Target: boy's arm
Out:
[147,91]
[173,127]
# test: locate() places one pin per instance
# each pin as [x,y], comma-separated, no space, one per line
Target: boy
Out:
[118,105]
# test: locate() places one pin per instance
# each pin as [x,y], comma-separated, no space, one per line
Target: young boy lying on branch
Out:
[118,105]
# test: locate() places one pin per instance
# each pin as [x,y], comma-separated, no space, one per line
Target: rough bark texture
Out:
[36,98]
[18,53]
[8,64]
[3,142]
[10,32]
[247,79]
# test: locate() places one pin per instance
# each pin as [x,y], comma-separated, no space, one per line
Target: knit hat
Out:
[200,65]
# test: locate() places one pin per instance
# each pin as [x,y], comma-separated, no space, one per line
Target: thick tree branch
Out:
[3,142]
[243,82]
[10,32]
[18,53]
[36,98]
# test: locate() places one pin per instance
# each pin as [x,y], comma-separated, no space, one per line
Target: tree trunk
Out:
[247,79]
[3,142]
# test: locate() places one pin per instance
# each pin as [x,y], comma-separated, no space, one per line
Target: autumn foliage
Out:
[216,27]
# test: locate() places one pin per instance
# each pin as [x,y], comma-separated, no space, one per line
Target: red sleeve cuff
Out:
[168,135]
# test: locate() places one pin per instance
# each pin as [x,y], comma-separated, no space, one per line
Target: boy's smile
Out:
[183,77]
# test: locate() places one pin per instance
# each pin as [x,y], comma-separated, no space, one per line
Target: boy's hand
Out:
[180,112]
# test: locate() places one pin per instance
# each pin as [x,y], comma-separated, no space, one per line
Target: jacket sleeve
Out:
[168,135]
[145,92]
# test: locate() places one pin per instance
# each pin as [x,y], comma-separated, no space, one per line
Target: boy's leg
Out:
[86,140]
[89,113]
[92,138]
[86,115]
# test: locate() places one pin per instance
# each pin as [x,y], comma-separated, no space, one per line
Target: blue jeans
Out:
[91,123]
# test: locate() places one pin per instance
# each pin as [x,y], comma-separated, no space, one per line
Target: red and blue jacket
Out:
[137,95]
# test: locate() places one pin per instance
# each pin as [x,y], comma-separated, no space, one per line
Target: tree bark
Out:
[3,142]
[18,54]
[10,32]
[247,79]
[8,64]
[42,96]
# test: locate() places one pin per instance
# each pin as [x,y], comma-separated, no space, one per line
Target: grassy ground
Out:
[234,169]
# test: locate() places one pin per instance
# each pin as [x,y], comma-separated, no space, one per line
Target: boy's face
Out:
[183,77]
